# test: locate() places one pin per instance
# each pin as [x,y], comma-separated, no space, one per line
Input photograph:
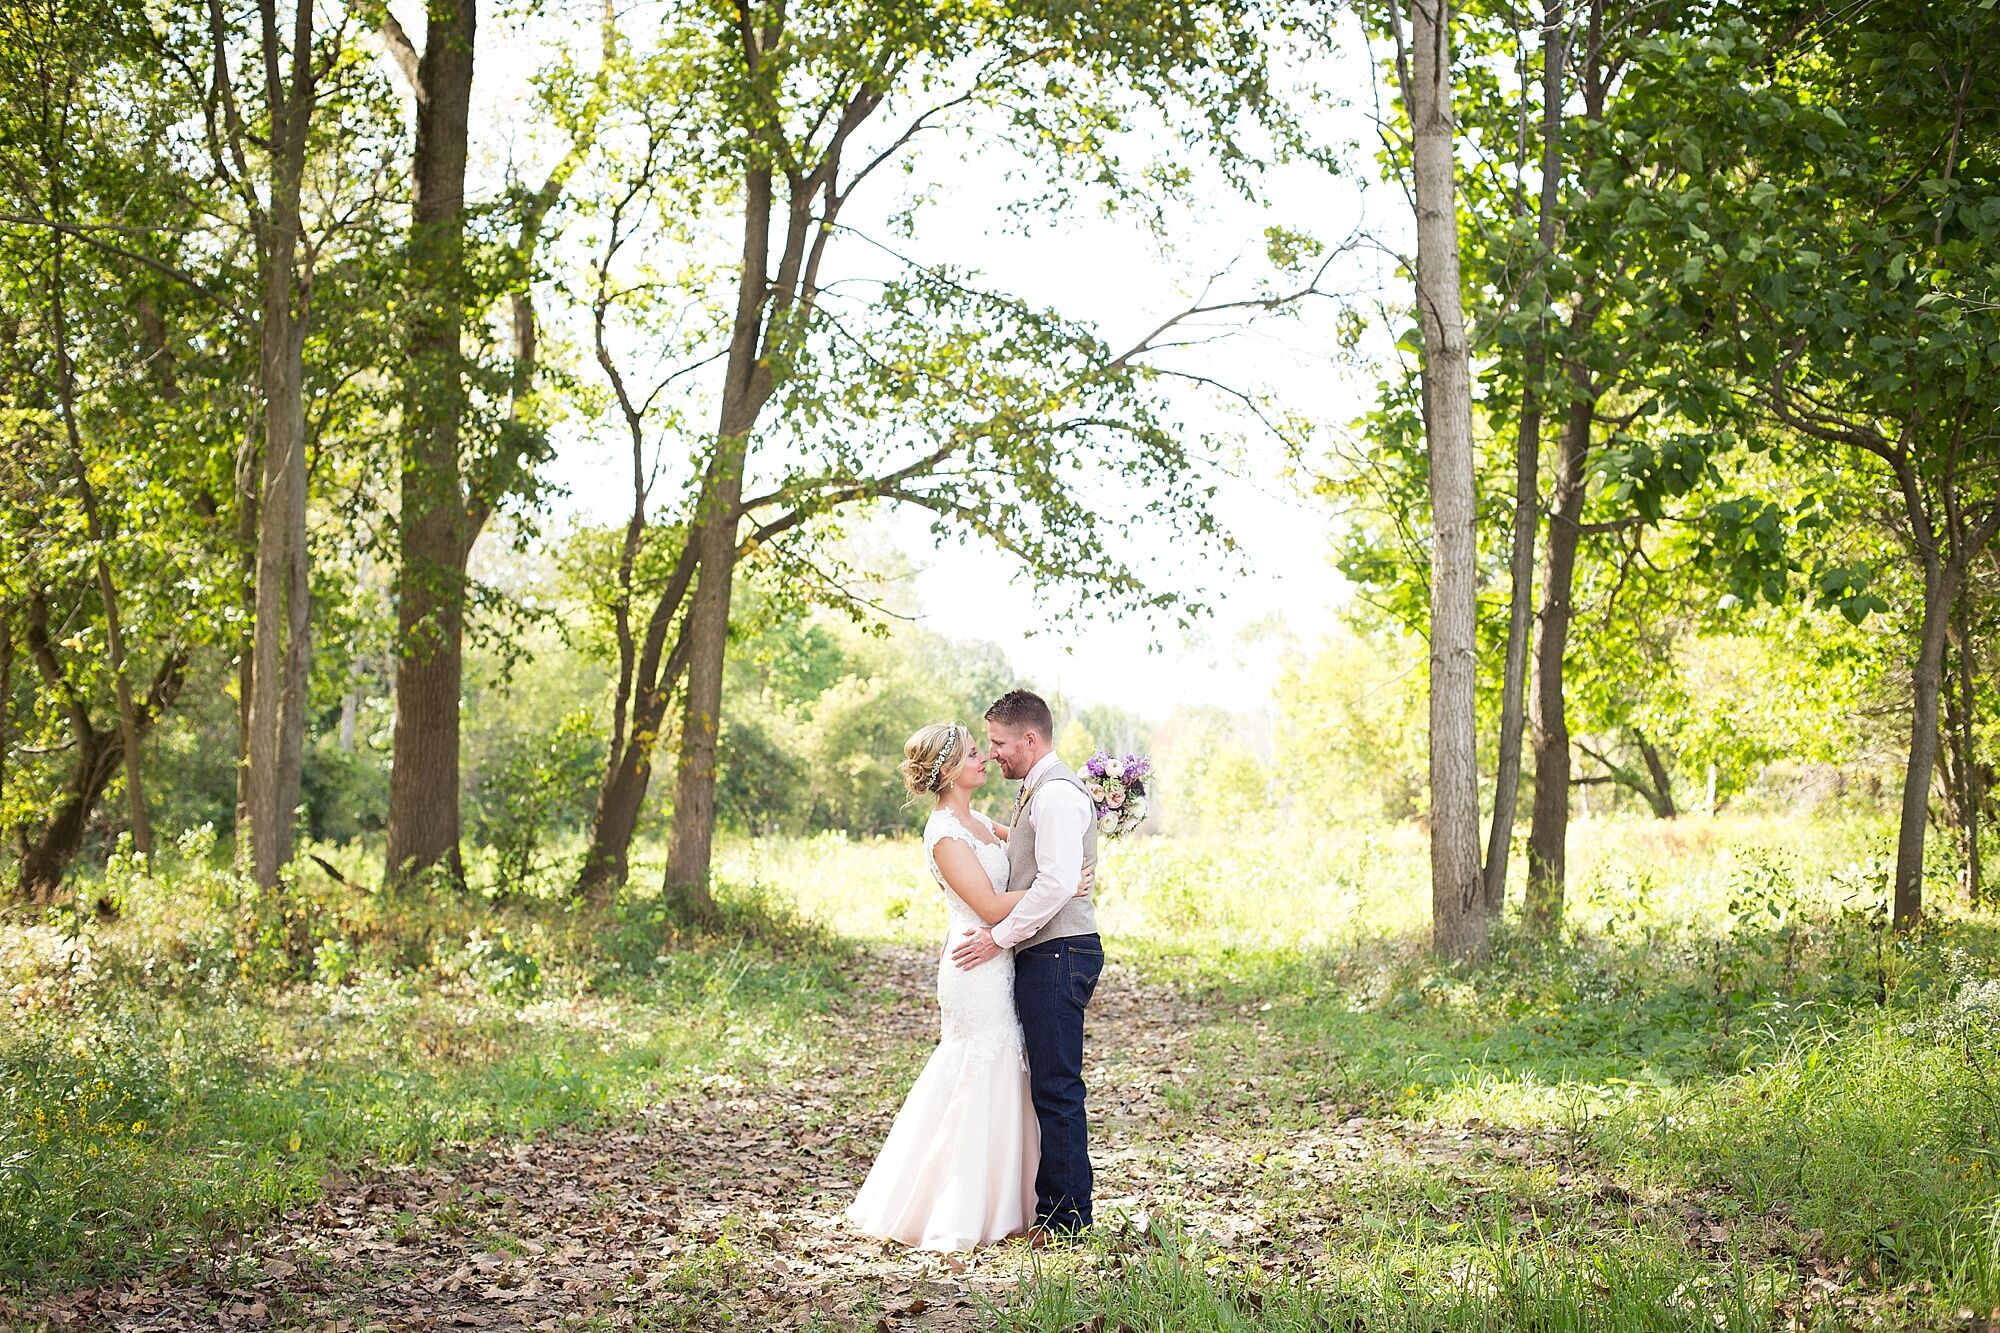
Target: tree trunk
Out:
[6,692]
[1951,740]
[688,854]
[1970,777]
[128,719]
[1661,793]
[607,862]
[423,826]
[280,632]
[1548,831]
[771,309]
[606,865]
[628,769]
[706,636]
[1926,681]
[1527,480]
[46,855]
[712,542]
[640,700]
[296,696]
[1458,911]
[435,532]
[249,461]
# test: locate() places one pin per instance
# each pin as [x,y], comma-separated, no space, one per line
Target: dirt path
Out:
[721,1209]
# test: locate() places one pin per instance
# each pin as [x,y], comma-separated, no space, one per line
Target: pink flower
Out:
[1115,799]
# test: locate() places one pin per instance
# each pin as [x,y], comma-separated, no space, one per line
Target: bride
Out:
[958,1169]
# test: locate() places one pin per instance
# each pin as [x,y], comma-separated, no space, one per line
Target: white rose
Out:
[1135,810]
[1108,824]
[1114,768]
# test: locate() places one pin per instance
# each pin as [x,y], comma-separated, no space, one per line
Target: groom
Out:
[1057,954]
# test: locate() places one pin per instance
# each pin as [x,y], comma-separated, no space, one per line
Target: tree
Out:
[100,589]
[1075,743]
[1833,209]
[1359,711]
[1527,457]
[282,620]
[436,518]
[1458,912]
[57,104]
[1557,331]
[457,466]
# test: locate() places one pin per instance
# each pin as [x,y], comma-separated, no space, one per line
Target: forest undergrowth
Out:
[1727,1096]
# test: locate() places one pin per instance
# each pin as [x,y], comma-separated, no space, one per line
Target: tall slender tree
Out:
[290,66]
[1555,330]
[1527,459]
[1458,905]
[434,525]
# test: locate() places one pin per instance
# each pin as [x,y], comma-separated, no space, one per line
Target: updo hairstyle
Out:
[933,757]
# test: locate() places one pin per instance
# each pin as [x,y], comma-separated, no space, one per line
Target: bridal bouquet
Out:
[1118,788]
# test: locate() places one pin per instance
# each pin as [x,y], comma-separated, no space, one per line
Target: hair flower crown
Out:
[944,754]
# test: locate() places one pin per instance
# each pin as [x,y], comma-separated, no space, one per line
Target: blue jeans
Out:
[1053,983]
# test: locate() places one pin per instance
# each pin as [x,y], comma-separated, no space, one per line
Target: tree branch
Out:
[90,235]
[396,42]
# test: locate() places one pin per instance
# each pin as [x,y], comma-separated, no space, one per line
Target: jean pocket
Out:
[1084,967]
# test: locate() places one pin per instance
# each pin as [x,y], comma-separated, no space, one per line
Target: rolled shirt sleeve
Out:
[1061,815]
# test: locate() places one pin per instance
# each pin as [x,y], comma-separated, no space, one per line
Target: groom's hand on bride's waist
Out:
[975,948]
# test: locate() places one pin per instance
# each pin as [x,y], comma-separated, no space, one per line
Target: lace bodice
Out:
[992,859]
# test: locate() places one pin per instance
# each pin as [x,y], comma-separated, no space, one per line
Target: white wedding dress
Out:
[958,1169]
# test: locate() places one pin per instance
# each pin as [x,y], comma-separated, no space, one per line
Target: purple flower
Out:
[1130,786]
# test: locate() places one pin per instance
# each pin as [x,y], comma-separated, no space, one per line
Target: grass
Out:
[1798,1108]
[1488,1281]
[1726,1098]
[169,1084]
[1877,1140]
[1728,1036]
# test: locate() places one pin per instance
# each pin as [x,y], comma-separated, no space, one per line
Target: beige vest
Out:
[1077,916]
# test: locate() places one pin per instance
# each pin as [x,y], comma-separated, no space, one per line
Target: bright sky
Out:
[1110,274]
